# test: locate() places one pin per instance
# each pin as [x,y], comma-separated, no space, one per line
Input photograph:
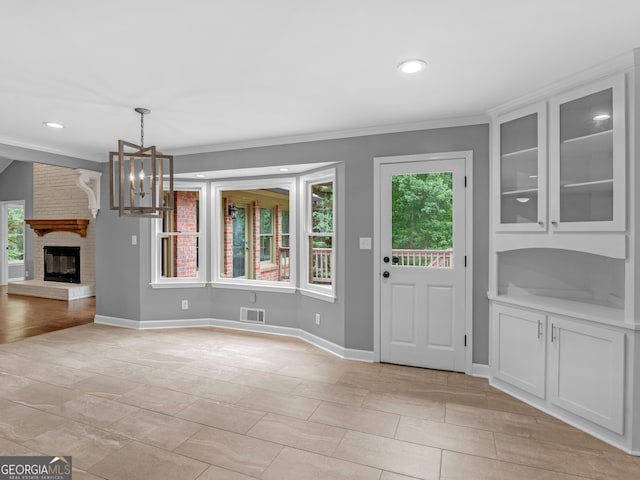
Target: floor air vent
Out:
[254,315]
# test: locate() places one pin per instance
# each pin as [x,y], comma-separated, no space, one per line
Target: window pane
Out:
[285,229]
[15,250]
[265,220]
[15,223]
[320,271]
[180,256]
[322,207]
[265,248]
[422,223]
[254,245]
[239,244]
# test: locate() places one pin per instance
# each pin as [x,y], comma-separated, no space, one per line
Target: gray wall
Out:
[16,183]
[124,271]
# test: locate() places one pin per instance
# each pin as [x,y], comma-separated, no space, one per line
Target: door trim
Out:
[467,155]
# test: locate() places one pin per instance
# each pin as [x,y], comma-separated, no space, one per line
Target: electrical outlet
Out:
[185,304]
[317,319]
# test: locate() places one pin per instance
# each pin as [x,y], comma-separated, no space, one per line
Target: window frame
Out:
[157,280]
[307,288]
[217,188]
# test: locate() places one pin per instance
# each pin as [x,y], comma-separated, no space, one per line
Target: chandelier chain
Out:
[141,129]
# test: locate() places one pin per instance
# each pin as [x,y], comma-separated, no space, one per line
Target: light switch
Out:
[365,243]
[134,240]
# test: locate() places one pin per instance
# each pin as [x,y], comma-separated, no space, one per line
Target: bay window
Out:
[253,246]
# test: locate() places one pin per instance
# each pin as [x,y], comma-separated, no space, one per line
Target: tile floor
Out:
[212,404]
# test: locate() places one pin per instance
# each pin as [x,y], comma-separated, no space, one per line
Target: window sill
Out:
[178,284]
[327,297]
[256,287]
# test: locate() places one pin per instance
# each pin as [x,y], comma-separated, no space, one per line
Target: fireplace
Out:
[62,264]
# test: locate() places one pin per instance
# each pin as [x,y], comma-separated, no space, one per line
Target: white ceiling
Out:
[224,71]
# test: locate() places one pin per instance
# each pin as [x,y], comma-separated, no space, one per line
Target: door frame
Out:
[467,155]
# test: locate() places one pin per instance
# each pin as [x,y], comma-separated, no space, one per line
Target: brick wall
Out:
[185,215]
[56,195]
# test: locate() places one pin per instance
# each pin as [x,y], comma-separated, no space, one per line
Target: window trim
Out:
[157,281]
[217,188]
[306,288]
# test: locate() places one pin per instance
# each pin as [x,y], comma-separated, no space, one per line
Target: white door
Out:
[422,249]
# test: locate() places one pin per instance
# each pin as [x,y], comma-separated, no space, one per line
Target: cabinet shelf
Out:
[518,192]
[587,137]
[520,152]
[589,187]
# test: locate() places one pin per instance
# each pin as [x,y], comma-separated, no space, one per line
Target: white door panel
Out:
[422,293]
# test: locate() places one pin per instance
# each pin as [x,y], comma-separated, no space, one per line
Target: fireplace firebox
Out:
[62,264]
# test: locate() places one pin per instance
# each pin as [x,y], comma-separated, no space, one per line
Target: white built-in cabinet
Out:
[575,180]
[582,364]
[564,334]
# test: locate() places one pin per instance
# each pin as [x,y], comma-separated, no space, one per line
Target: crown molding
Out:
[334,135]
[12,142]
[619,64]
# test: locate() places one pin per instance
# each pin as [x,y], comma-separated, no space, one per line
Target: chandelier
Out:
[140,178]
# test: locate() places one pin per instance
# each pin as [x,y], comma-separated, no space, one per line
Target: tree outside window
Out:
[321,235]
[15,229]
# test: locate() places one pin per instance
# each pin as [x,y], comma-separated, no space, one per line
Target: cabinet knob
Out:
[555,224]
[541,224]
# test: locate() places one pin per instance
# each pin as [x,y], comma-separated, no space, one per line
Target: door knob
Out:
[386,274]
[385,259]
[396,260]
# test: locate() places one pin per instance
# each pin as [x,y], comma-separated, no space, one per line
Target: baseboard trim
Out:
[326,345]
[480,370]
[512,391]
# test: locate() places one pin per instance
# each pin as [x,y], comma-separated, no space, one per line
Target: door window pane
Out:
[422,220]
[15,230]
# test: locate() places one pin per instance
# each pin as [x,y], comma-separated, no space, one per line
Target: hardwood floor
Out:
[22,317]
[214,404]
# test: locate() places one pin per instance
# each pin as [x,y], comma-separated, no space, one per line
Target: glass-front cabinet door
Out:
[521,169]
[587,158]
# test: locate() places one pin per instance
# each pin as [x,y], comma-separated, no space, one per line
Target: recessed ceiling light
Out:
[199,175]
[53,124]
[602,116]
[284,169]
[412,66]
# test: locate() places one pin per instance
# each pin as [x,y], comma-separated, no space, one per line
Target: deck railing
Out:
[321,261]
[321,265]
[423,258]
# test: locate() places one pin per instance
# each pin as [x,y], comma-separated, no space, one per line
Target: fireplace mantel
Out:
[74,225]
